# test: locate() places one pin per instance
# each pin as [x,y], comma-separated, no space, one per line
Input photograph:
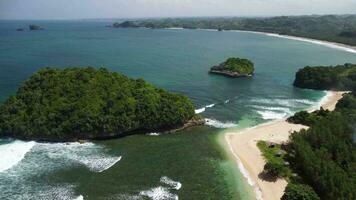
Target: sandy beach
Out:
[243,150]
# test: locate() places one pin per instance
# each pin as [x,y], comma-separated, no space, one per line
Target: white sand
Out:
[242,148]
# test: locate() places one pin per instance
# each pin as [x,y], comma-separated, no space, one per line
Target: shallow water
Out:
[177,60]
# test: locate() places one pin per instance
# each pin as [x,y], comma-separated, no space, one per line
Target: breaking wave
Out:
[200,110]
[271,114]
[218,124]
[174,184]
[12,153]
[159,193]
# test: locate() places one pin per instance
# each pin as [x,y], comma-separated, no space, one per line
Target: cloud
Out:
[69,9]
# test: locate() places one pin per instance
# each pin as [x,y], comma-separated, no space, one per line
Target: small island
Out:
[234,67]
[88,103]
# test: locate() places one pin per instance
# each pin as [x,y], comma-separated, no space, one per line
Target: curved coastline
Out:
[334,45]
[241,148]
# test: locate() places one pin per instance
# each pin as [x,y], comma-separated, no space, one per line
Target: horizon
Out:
[176,17]
[138,9]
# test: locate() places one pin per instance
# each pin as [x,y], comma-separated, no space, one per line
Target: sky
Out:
[83,9]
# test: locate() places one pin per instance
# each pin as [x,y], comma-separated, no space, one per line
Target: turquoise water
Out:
[177,60]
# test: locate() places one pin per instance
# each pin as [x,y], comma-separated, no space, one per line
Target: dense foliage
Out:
[299,192]
[238,65]
[89,103]
[324,156]
[306,118]
[335,28]
[341,77]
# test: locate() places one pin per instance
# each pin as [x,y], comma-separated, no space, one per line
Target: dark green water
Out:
[177,60]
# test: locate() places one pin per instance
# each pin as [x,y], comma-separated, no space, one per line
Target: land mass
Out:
[88,103]
[333,28]
[319,149]
[234,67]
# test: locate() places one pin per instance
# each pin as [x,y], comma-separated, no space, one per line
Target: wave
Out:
[227,101]
[159,193]
[284,102]
[89,154]
[281,109]
[200,110]
[218,124]
[174,184]
[80,197]
[153,134]
[12,153]
[267,114]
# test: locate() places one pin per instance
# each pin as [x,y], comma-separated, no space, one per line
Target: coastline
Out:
[334,45]
[242,149]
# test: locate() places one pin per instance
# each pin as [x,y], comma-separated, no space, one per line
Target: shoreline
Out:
[241,148]
[334,45]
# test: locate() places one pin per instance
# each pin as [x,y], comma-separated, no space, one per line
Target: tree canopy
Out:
[240,66]
[74,103]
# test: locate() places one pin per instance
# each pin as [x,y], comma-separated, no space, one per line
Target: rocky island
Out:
[234,67]
[87,103]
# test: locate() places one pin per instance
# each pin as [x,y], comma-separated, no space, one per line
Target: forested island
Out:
[234,67]
[333,28]
[321,161]
[88,103]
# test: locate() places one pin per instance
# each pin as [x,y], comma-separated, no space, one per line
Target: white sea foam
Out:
[227,101]
[284,102]
[210,106]
[267,114]
[281,109]
[159,193]
[218,124]
[154,134]
[12,153]
[88,154]
[80,197]
[200,110]
[174,184]
[322,101]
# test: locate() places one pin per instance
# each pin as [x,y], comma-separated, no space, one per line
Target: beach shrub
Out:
[69,103]
[275,160]
[299,192]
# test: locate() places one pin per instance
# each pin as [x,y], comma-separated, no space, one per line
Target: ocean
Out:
[188,164]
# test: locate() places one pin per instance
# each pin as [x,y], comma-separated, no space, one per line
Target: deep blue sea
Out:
[185,165]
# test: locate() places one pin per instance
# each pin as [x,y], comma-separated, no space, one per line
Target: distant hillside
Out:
[334,28]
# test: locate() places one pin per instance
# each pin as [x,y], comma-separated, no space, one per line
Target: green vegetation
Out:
[299,192]
[75,103]
[275,160]
[234,67]
[341,77]
[334,28]
[306,118]
[324,156]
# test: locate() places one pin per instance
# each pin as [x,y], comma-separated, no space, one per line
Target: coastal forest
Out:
[324,156]
[81,103]
[333,28]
